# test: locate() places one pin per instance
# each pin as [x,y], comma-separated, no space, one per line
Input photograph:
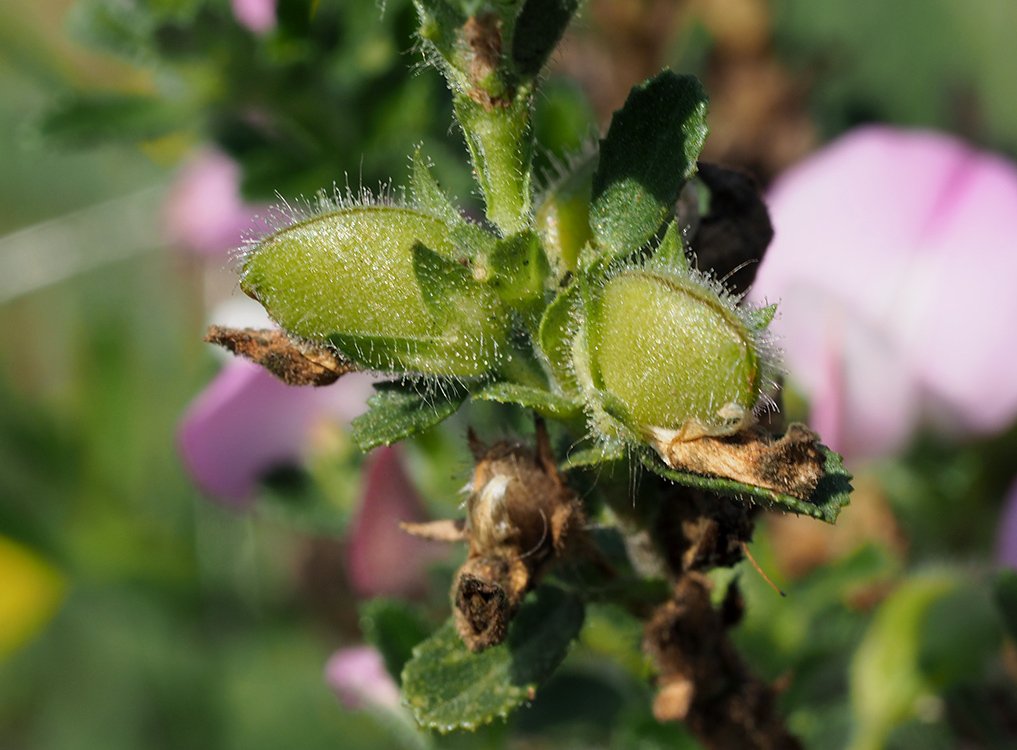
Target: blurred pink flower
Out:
[382,559]
[247,422]
[204,211]
[894,263]
[1006,534]
[358,677]
[257,15]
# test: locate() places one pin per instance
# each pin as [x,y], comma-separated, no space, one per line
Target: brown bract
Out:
[293,362]
[521,516]
[791,465]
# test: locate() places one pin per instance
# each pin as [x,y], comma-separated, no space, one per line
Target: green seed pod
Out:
[384,284]
[670,354]
[562,214]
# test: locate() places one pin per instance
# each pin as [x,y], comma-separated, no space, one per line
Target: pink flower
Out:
[894,263]
[382,559]
[204,211]
[247,423]
[358,677]
[257,15]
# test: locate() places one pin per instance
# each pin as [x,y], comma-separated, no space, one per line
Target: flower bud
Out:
[671,351]
[384,284]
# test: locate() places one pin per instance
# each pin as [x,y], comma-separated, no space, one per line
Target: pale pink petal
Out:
[959,308]
[247,422]
[862,392]
[382,559]
[898,248]
[257,15]
[204,211]
[358,677]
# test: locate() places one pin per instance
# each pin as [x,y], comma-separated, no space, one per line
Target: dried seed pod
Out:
[520,516]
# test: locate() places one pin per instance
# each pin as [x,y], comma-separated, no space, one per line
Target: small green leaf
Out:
[472,241]
[831,494]
[1005,594]
[760,318]
[538,28]
[670,254]
[519,269]
[448,688]
[603,452]
[427,194]
[441,279]
[555,335]
[455,356]
[887,682]
[398,411]
[543,402]
[649,152]
[394,628]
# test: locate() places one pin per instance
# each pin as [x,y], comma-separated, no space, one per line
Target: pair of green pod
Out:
[404,289]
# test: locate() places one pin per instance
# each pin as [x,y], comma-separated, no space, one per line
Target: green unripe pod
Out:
[562,215]
[672,352]
[352,277]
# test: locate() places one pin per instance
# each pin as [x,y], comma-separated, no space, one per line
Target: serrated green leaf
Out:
[649,152]
[92,120]
[543,402]
[538,28]
[447,688]
[394,628]
[398,412]
[603,452]
[1005,594]
[555,336]
[831,494]
[428,195]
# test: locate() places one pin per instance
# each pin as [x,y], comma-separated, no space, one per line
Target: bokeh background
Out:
[153,594]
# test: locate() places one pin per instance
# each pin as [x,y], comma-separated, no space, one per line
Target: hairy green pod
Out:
[385,284]
[669,350]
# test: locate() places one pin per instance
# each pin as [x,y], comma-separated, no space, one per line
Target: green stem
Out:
[500,143]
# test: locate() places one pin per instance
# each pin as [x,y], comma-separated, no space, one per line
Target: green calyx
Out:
[667,349]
